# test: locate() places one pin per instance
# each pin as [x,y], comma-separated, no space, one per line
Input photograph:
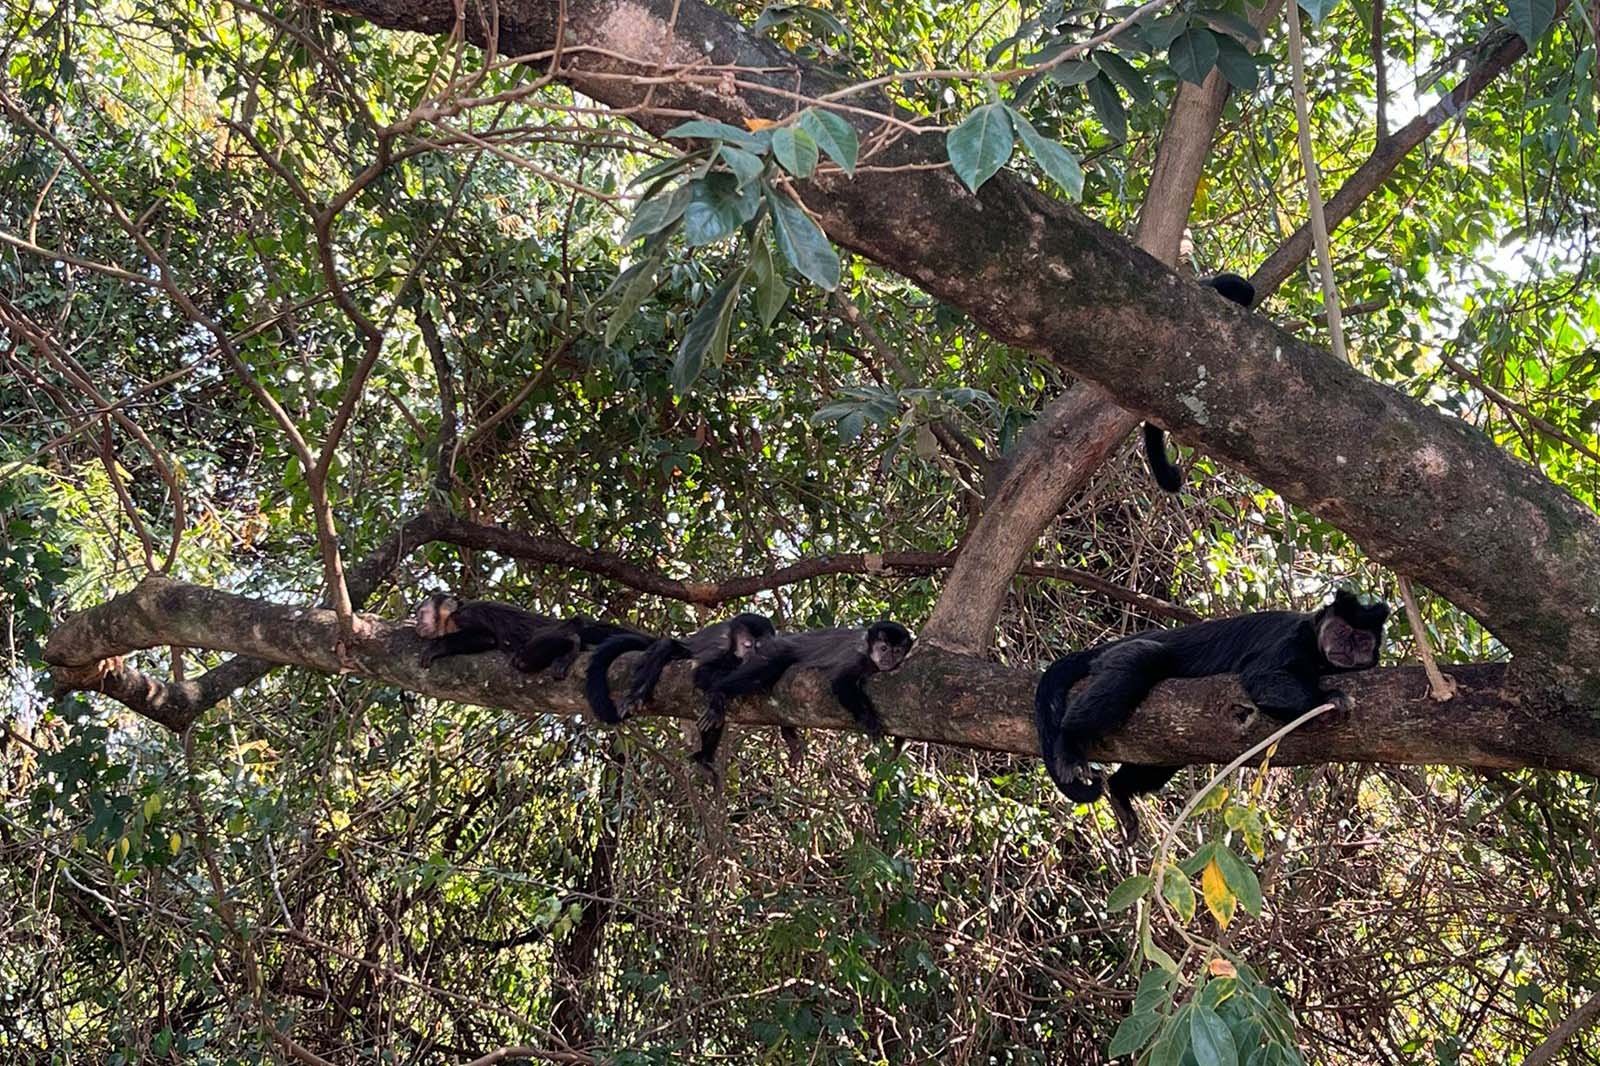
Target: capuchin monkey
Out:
[716,650]
[453,626]
[1167,475]
[846,656]
[1281,657]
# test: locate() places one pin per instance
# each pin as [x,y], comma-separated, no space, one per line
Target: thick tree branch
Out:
[937,696]
[1421,492]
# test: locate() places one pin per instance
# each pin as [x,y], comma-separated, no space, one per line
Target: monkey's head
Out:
[1233,288]
[888,643]
[436,616]
[746,632]
[1349,632]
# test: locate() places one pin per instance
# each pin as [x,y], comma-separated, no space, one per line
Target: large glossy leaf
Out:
[718,206]
[1193,54]
[1074,72]
[1058,163]
[1237,64]
[795,150]
[746,166]
[772,291]
[707,334]
[707,129]
[1108,105]
[835,136]
[1134,1033]
[1123,73]
[1530,18]
[1129,892]
[980,145]
[1209,1038]
[657,213]
[1241,880]
[1176,890]
[802,242]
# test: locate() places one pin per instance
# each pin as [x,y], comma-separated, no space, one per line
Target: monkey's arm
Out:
[853,698]
[556,647]
[1280,686]
[461,642]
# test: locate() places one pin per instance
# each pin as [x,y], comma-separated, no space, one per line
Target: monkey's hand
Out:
[869,721]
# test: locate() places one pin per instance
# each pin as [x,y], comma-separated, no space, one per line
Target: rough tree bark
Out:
[936,696]
[1421,492]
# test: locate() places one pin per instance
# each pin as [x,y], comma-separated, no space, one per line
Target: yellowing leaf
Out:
[339,819]
[151,805]
[1219,900]
[175,841]
[755,124]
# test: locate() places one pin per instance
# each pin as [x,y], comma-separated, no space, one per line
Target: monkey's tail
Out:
[595,686]
[1063,759]
[1167,475]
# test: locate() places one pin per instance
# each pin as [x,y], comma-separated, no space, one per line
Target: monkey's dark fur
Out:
[1281,657]
[716,650]
[845,656]
[453,626]
[1166,473]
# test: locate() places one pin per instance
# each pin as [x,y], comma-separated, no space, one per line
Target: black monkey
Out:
[453,626]
[716,650]
[1167,475]
[1281,657]
[845,656]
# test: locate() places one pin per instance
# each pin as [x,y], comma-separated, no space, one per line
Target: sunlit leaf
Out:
[980,145]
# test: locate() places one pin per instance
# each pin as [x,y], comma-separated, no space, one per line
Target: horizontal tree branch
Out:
[1420,491]
[936,696]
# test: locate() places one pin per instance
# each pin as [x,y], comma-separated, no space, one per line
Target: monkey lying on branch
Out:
[535,642]
[1281,657]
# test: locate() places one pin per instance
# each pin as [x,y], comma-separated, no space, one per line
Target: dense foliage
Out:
[211,210]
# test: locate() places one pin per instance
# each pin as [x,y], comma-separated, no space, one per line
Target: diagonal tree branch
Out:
[937,696]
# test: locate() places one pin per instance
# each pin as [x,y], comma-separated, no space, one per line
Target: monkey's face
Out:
[887,653]
[744,643]
[436,616]
[1345,646]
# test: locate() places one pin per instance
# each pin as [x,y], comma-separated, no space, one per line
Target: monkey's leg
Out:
[753,675]
[554,647]
[1130,780]
[648,673]
[1121,677]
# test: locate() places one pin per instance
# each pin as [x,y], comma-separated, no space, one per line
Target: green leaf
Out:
[1193,54]
[1174,1042]
[1210,1039]
[980,145]
[1229,24]
[1155,990]
[1175,888]
[1057,163]
[802,243]
[771,290]
[1237,64]
[707,334]
[1163,31]
[710,130]
[1123,73]
[834,135]
[657,213]
[1074,72]
[1241,881]
[746,166]
[1317,9]
[718,206]
[795,150]
[1134,1033]
[636,283]
[1129,892]
[665,167]
[1530,18]
[1108,105]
